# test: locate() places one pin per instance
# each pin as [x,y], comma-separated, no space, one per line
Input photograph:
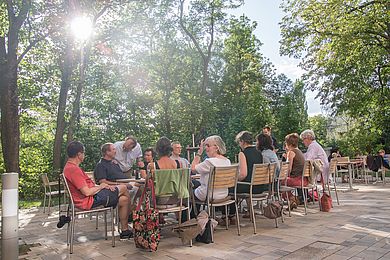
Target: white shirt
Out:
[204,170]
[126,159]
[315,151]
[183,161]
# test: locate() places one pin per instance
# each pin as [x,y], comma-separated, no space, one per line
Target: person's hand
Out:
[201,147]
[141,164]
[284,155]
[129,186]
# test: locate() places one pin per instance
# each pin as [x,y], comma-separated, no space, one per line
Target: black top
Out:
[106,169]
[253,156]
[177,165]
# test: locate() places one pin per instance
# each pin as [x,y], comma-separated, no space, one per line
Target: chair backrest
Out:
[260,174]
[45,180]
[342,159]
[67,191]
[333,166]
[272,171]
[307,169]
[283,171]
[223,177]
[174,182]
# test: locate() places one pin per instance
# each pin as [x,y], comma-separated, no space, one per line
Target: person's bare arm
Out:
[93,190]
[242,166]
[290,159]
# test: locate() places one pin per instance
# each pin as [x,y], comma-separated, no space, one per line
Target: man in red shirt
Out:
[86,194]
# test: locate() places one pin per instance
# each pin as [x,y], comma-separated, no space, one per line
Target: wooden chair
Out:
[222,177]
[283,188]
[175,183]
[48,193]
[332,172]
[342,170]
[308,172]
[262,174]
[73,212]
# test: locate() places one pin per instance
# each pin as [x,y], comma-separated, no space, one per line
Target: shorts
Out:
[101,198]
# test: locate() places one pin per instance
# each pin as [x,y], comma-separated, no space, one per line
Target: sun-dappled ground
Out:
[359,228]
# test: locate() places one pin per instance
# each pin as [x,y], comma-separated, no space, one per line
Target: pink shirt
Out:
[315,151]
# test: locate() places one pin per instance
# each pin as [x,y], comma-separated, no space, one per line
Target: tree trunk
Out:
[10,132]
[84,58]
[66,76]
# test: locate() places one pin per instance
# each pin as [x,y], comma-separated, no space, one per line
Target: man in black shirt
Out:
[107,170]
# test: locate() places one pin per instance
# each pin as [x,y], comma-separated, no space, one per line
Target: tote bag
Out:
[145,221]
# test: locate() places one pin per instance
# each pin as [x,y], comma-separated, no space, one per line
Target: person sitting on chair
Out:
[295,167]
[86,195]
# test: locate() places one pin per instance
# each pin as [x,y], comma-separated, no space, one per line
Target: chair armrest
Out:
[243,182]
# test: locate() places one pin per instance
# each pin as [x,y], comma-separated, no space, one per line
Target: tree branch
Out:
[189,34]
[31,45]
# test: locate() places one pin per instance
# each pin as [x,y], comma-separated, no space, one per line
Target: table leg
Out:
[350,176]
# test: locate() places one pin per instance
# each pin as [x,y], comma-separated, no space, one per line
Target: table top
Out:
[130,180]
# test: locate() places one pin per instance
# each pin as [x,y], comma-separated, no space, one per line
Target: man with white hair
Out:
[315,151]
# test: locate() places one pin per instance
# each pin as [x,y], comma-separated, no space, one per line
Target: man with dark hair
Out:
[149,157]
[267,131]
[127,153]
[86,195]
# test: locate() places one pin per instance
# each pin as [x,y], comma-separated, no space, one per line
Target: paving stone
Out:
[357,229]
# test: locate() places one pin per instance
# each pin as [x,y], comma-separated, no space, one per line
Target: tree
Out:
[345,48]
[244,73]
[11,54]
[319,124]
[292,114]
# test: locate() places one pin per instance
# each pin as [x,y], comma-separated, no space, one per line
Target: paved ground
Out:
[357,229]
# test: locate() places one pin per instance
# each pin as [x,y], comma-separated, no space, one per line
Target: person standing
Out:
[267,131]
[315,151]
[127,153]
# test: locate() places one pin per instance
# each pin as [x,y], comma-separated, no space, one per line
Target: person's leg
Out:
[123,204]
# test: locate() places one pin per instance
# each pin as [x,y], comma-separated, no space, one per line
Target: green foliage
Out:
[319,125]
[345,48]
[144,77]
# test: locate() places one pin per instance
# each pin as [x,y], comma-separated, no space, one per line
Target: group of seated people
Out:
[118,160]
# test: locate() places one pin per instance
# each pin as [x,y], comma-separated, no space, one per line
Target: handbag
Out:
[145,221]
[207,236]
[326,199]
[273,209]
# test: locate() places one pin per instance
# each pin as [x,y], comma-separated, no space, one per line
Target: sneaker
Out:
[126,234]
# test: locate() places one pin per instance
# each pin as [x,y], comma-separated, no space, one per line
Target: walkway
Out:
[357,229]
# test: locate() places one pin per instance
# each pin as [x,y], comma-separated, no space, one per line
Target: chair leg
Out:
[238,220]
[73,222]
[112,228]
[253,215]
[304,200]
[97,220]
[105,225]
[68,232]
[44,203]
[226,217]
[288,204]
[49,205]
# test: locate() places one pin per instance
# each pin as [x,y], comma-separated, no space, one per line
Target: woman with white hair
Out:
[215,149]
[315,151]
